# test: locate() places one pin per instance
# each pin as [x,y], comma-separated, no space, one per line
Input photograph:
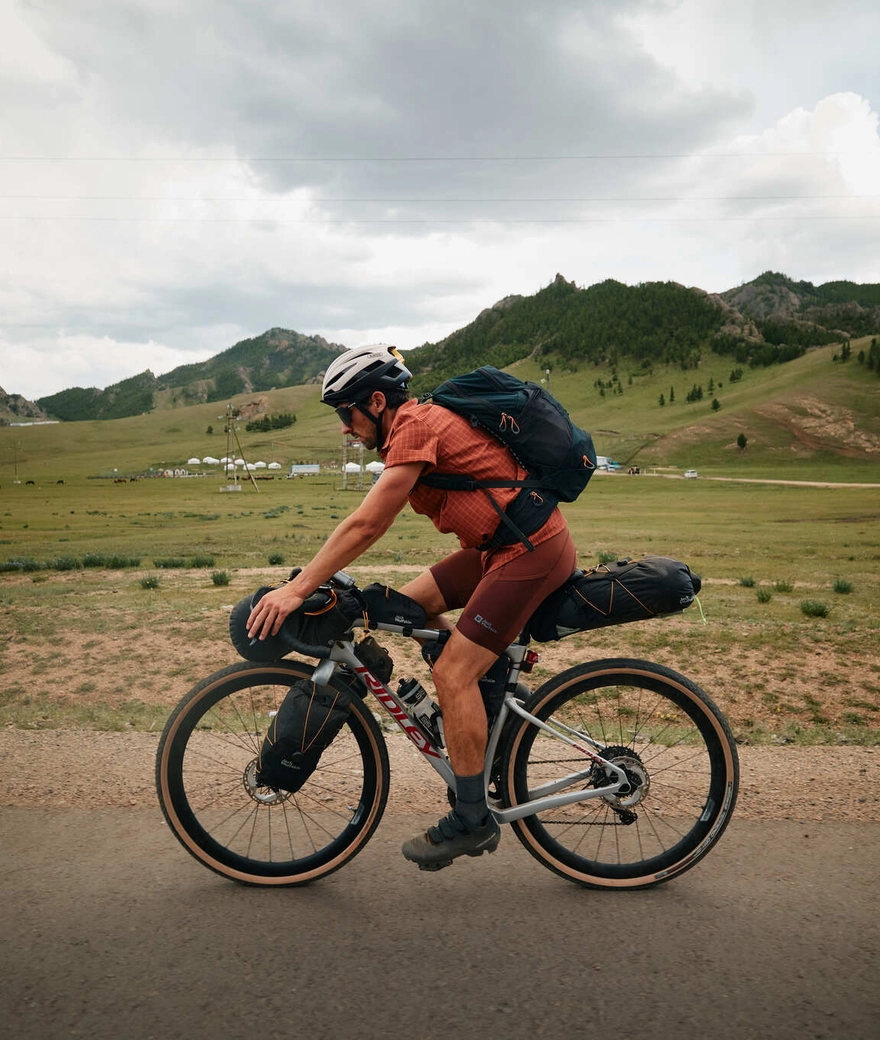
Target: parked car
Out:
[690,474]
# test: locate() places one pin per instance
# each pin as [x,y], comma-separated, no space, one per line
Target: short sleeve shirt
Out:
[447,443]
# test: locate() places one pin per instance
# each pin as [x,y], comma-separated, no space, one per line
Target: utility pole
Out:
[232,434]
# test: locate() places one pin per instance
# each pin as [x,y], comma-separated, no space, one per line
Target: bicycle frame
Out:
[544,797]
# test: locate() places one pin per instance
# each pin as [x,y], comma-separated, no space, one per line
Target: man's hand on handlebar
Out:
[268,615]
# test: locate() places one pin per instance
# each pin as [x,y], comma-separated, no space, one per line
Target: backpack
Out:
[615,594]
[557,455]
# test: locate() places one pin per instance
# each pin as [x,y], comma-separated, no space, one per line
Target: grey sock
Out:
[470,800]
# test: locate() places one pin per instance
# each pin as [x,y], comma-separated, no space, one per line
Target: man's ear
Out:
[377,399]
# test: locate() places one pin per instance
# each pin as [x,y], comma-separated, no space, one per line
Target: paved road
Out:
[768,480]
[109,930]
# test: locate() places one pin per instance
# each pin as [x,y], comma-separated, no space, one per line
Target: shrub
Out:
[764,595]
[842,586]
[276,559]
[118,563]
[747,583]
[11,566]
[202,561]
[151,581]
[66,563]
[220,577]
[784,586]
[607,557]
[815,608]
[169,563]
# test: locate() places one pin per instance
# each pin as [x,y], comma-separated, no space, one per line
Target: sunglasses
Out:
[345,412]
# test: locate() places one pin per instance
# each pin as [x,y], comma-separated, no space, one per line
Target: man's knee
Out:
[426,593]
[461,664]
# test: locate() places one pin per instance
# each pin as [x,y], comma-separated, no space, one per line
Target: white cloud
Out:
[457,154]
[49,365]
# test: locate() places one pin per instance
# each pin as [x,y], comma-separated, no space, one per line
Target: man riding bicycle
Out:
[495,578]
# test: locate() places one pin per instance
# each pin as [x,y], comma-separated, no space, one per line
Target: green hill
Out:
[766,379]
[770,320]
[278,357]
[816,417]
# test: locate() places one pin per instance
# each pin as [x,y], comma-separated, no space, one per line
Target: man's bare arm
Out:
[351,537]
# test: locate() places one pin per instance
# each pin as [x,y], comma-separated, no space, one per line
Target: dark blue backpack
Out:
[558,456]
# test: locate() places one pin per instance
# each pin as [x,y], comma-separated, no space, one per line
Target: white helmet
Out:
[355,374]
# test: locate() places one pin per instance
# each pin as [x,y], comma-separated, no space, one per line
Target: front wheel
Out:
[677,753]
[206,777]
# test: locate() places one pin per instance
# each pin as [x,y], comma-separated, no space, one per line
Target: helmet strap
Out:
[376,421]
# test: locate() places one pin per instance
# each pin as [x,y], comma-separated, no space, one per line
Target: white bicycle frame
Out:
[540,798]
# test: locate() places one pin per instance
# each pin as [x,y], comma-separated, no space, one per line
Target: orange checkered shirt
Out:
[448,443]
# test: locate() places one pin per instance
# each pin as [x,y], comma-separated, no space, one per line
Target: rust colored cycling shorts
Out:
[498,604]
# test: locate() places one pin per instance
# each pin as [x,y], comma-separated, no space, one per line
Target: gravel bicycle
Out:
[615,773]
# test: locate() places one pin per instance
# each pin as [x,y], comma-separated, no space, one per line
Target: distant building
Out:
[310,469]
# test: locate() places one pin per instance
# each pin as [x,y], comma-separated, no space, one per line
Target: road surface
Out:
[111,931]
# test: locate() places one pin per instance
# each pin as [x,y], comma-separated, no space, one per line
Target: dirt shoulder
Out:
[93,770]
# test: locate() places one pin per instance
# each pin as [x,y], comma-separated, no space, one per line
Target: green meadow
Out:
[115,592]
[111,607]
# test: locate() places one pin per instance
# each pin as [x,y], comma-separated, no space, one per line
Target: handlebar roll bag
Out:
[324,617]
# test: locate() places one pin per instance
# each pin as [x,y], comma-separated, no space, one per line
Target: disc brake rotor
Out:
[261,795]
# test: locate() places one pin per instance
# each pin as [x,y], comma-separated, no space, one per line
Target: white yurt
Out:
[193,462]
[259,465]
[275,465]
[375,466]
[352,467]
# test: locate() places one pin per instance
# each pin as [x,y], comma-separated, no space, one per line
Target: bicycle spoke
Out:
[207,768]
[649,811]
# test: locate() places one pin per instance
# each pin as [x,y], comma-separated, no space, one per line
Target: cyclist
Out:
[495,578]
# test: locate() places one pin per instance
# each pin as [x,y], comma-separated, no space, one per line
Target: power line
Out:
[593,157]
[439,220]
[415,199]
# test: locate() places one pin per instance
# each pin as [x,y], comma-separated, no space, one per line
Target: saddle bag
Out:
[615,594]
[309,719]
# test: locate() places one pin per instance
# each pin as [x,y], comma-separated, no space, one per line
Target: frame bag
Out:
[309,718]
[615,594]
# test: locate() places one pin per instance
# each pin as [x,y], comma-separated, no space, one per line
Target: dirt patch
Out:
[129,666]
[815,424]
[89,770]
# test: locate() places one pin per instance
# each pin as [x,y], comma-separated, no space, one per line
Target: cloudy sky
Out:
[177,175]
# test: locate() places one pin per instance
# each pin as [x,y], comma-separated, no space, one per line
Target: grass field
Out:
[92,646]
[115,593]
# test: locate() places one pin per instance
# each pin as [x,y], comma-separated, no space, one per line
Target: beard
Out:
[369,441]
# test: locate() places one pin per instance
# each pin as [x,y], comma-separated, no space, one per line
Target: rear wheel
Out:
[672,743]
[207,786]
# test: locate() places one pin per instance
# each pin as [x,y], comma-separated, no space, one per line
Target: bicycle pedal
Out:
[435,866]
